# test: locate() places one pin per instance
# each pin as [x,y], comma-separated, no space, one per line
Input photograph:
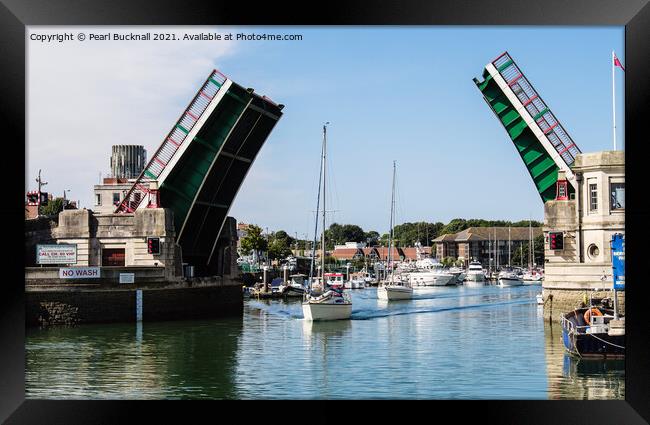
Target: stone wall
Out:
[559,301]
[73,306]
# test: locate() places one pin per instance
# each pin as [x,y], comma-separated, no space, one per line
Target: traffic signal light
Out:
[556,240]
[153,245]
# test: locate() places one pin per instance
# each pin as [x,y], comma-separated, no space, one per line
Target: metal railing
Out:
[541,113]
[174,140]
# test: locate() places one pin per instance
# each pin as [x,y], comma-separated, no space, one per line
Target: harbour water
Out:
[447,343]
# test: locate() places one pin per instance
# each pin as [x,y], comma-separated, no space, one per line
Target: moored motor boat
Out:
[594,331]
[509,278]
[394,292]
[295,288]
[475,274]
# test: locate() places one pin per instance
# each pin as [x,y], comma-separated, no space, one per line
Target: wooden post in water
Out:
[264,267]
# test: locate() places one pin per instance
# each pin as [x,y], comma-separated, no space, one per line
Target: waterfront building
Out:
[109,194]
[122,241]
[586,221]
[411,253]
[477,243]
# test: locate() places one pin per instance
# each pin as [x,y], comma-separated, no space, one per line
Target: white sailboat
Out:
[325,299]
[392,289]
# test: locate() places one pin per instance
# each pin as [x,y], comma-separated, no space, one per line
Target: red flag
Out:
[617,62]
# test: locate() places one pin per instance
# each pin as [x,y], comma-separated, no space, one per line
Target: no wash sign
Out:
[79,273]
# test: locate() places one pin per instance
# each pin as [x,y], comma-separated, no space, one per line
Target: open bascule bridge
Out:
[199,167]
[583,193]
[181,200]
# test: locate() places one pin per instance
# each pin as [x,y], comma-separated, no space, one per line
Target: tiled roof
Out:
[447,237]
[346,253]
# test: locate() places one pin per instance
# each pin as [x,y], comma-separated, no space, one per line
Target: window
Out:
[593,197]
[98,199]
[116,198]
[561,191]
[617,192]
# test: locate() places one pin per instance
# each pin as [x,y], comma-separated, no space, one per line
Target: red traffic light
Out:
[556,240]
[153,245]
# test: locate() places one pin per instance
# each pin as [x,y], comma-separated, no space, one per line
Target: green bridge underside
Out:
[199,192]
[540,165]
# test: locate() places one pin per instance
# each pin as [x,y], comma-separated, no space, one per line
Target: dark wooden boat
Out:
[594,334]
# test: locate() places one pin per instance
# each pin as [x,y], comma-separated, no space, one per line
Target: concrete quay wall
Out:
[559,301]
[72,304]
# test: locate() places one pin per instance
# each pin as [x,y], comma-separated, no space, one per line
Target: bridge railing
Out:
[541,113]
[174,140]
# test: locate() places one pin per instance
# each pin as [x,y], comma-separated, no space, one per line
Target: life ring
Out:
[588,314]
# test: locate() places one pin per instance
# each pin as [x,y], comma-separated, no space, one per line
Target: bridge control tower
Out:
[200,165]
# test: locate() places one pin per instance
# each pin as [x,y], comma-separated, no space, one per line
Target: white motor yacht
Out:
[475,274]
[510,278]
[295,287]
[394,292]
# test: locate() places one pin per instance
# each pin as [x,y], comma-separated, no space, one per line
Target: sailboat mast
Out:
[313,248]
[532,248]
[324,183]
[509,243]
[390,234]
[489,252]
[530,240]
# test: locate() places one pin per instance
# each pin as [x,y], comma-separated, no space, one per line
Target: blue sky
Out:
[390,93]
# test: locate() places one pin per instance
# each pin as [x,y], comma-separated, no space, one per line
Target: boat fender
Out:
[591,311]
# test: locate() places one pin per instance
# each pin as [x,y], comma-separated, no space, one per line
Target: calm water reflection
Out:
[447,343]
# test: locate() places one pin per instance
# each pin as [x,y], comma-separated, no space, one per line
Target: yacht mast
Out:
[532,248]
[530,241]
[489,253]
[313,248]
[324,182]
[390,234]
[509,244]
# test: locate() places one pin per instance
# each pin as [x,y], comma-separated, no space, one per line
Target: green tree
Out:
[278,249]
[280,244]
[338,234]
[53,207]
[254,242]
[422,232]
[372,238]
[358,263]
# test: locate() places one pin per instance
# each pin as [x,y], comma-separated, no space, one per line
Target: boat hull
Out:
[475,277]
[510,282]
[594,345]
[294,293]
[394,293]
[326,311]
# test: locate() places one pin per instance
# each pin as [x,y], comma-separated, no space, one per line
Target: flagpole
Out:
[613,102]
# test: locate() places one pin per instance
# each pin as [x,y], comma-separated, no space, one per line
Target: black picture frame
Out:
[15,15]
